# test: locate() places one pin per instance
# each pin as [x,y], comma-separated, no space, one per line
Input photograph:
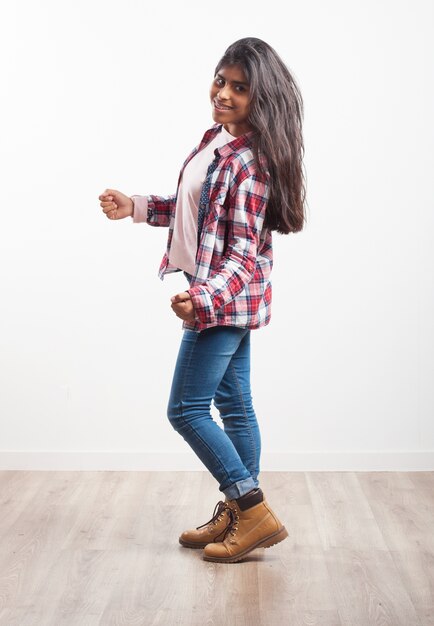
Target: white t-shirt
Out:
[183,247]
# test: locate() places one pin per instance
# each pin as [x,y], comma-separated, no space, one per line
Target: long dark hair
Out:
[276,116]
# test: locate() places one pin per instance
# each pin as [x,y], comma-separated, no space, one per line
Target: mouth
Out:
[221,107]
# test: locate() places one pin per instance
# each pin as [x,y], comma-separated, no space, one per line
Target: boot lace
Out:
[232,527]
[218,510]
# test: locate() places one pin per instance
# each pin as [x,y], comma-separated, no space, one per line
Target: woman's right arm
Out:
[152,209]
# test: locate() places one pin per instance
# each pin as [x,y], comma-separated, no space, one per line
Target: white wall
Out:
[109,94]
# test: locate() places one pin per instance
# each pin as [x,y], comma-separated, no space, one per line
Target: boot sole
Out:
[269,541]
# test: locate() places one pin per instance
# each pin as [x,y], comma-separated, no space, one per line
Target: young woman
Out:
[240,183]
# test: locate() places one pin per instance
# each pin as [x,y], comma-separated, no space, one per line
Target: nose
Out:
[223,94]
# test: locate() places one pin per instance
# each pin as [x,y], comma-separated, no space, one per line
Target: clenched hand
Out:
[183,307]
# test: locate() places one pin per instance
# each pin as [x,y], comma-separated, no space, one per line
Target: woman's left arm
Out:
[246,215]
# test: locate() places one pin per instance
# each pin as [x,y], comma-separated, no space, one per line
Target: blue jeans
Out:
[214,364]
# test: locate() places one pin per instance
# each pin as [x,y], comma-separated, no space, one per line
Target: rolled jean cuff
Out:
[240,488]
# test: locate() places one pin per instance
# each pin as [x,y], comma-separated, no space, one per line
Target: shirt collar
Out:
[239,142]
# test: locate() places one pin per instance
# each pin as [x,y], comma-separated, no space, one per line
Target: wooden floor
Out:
[102,548]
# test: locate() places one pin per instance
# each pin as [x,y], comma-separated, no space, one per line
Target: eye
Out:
[240,88]
[217,80]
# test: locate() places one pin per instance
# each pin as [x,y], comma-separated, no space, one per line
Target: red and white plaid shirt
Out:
[231,285]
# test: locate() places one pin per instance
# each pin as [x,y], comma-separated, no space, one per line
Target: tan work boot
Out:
[253,525]
[211,531]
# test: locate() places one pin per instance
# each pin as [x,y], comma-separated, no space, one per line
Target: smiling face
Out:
[230,90]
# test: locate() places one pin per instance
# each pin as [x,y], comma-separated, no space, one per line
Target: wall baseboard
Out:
[375,460]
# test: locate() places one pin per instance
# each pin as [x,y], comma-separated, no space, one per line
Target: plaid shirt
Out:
[231,285]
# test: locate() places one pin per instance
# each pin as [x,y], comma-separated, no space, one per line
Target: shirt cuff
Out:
[202,303]
[140,208]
